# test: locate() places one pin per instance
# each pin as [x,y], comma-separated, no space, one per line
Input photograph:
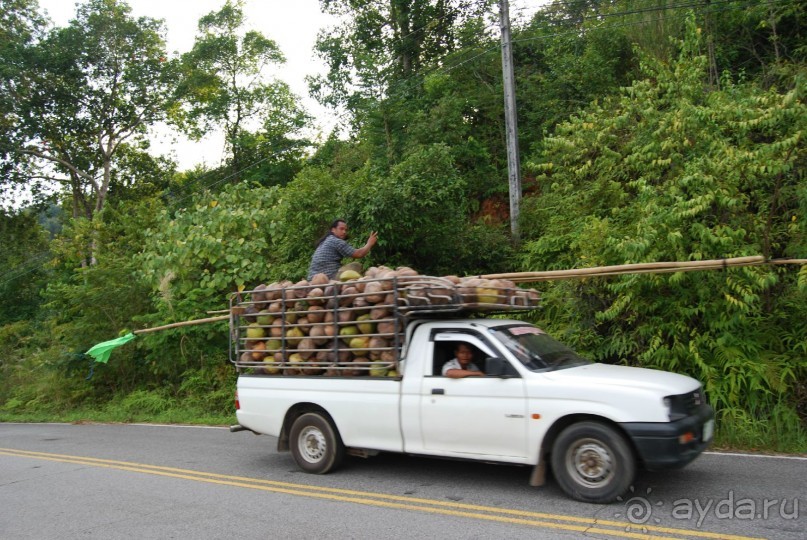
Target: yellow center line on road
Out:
[504,515]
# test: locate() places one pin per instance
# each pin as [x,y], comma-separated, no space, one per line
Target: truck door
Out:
[472,415]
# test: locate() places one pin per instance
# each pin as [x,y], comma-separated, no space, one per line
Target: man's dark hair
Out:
[335,224]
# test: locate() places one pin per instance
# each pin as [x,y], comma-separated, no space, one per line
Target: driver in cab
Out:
[462,364]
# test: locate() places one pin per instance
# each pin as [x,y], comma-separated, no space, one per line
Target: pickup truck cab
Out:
[538,404]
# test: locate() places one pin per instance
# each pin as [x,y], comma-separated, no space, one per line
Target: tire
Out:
[315,444]
[592,462]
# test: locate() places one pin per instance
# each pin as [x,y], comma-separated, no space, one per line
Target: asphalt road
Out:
[62,481]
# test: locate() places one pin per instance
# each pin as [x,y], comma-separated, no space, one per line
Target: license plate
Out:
[708,430]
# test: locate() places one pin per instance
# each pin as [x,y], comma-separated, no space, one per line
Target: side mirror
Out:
[499,367]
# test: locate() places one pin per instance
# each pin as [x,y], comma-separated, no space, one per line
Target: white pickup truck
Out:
[538,404]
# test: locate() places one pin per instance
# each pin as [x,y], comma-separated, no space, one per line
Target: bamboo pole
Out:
[641,268]
[183,323]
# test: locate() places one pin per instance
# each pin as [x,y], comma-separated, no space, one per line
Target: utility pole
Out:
[511,124]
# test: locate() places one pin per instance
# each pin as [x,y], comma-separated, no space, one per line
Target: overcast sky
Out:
[292,24]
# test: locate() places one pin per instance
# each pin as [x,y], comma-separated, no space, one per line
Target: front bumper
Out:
[665,445]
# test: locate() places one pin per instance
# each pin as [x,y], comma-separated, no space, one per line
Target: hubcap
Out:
[590,464]
[312,444]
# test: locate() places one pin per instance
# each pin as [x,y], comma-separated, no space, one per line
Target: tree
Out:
[20,27]
[671,171]
[225,86]
[86,91]
[23,265]
[376,60]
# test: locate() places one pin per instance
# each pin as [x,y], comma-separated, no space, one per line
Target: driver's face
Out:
[464,355]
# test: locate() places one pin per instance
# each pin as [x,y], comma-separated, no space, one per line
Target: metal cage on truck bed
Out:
[350,328]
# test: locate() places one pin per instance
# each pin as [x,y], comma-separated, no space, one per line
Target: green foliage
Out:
[307,207]
[193,260]
[669,171]
[676,149]
[23,265]
[418,210]
[82,94]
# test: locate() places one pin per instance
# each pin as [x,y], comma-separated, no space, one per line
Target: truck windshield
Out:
[537,350]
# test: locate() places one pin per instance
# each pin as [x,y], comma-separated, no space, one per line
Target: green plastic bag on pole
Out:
[102,351]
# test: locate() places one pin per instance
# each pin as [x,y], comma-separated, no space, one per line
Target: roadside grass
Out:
[735,430]
[123,411]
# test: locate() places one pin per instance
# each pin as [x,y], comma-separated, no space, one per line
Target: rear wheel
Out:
[592,462]
[315,444]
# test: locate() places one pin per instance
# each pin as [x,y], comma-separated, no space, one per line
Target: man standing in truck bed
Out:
[332,248]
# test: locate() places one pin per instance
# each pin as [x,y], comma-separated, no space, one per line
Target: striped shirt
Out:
[327,258]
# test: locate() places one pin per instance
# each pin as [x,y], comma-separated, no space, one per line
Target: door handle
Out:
[438,391]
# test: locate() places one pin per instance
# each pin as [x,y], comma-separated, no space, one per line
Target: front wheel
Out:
[592,462]
[315,444]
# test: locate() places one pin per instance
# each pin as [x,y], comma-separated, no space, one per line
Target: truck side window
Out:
[445,343]
[448,354]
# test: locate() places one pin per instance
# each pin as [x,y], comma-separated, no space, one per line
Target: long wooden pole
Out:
[640,268]
[183,323]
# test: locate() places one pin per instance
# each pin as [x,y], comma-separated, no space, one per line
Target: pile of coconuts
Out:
[353,325]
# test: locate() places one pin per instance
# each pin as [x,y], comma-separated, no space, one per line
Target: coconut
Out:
[318,335]
[293,363]
[259,350]
[319,279]
[378,369]
[353,265]
[255,331]
[347,295]
[306,348]
[386,327]
[350,330]
[270,365]
[250,312]
[276,330]
[379,313]
[346,315]
[386,279]
[406,275]
[290,296]
[359,345]
[349,275]
[272,292]
[304,325]
[316,314]
[365,324]
[315,297]
[293,336]
[373,292]
[325,357]
[257,293]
